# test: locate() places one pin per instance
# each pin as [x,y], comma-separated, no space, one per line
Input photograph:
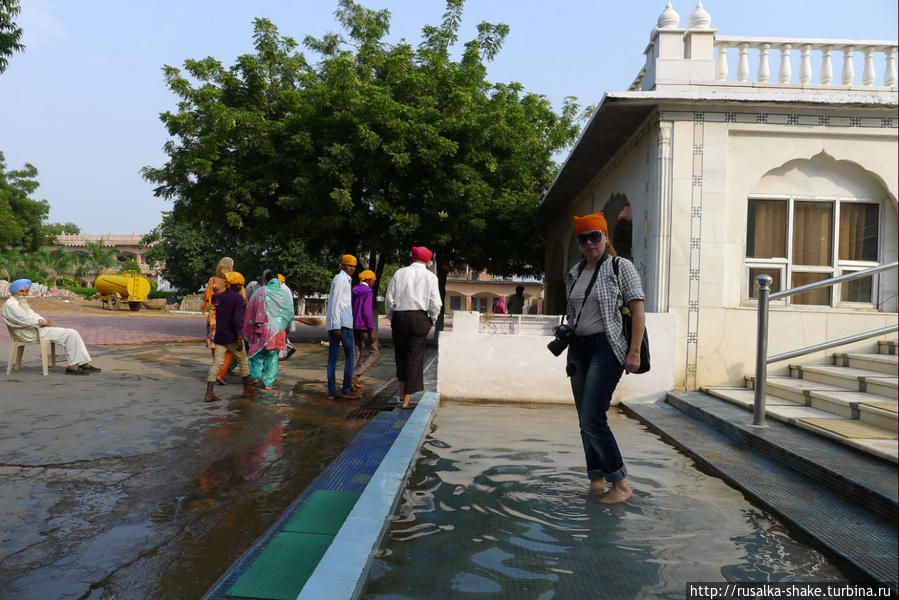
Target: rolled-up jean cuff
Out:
[610,477]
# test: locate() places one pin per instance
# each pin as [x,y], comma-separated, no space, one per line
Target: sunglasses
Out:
[593,236]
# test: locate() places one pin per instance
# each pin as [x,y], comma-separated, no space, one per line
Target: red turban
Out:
[421,253]
[594,222]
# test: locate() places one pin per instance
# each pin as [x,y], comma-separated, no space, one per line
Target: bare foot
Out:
[598,486]
[620,492]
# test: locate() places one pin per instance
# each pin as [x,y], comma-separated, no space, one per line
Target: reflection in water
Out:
[498,507]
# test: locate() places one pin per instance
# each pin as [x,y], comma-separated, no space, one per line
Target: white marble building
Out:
[741,156]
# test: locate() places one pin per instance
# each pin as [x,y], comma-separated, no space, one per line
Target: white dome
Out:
[700,19]
[669,19]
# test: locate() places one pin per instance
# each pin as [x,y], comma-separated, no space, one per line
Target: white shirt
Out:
[18,314]
[340,302]
[590,321]
[413,288]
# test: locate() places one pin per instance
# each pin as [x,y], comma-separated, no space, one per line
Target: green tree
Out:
[51,263]
[369,149]
[55,229]
[21,217]
[131,266]
[12,263]
[10,34]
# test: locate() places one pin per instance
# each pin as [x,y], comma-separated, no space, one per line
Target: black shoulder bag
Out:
[627,329]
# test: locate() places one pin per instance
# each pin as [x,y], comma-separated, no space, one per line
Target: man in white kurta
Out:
[18,315]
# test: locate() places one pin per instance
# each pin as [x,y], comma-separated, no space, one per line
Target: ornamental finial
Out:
[669,19]
[700,19]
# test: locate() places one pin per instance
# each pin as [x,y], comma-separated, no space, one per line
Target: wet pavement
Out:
[124,484]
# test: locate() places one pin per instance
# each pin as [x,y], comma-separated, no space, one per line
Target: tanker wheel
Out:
[134,306]
[114,302]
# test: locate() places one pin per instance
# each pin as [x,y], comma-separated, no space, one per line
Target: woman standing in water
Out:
[269,314]
[599,353]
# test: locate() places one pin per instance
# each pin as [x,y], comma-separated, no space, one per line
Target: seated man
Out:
[21,317]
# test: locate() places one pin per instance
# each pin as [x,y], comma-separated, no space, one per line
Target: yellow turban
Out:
[366,274]
[234,278]
[348,259]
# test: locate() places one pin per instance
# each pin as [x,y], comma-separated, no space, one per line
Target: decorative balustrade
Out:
[827,49]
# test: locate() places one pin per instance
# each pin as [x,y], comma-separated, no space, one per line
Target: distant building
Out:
[128,246]
[476,290]
[719,165]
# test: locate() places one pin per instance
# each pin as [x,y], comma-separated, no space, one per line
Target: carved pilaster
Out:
[663,221]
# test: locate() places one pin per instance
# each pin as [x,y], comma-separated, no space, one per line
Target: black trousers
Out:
[409,329]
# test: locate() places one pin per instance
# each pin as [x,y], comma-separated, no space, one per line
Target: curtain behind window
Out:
[813,233]
[767,229]
[858,231]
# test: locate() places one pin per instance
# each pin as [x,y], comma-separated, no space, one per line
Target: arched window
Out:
[811,220]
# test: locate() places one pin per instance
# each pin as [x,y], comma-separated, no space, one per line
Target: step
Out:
[841,468]
[798,390]
[842,402]
[849,378]
[871,438]
[853,512]
[882,413]
[882,363]
[887,346]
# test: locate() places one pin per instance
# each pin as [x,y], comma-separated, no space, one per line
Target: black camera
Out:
[564,334]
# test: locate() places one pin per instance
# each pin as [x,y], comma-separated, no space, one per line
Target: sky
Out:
[82,103]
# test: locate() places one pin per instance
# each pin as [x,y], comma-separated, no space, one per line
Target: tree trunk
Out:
[442,273]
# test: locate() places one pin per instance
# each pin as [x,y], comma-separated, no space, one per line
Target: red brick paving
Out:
[126,329]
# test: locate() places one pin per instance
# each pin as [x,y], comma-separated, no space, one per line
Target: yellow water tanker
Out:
[112,290]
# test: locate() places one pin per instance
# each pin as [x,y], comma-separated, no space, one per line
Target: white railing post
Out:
[721,68]
[826,65]
[805,65]
[743,64]
[764,69]
[868,75]
[848,67]
[889,74]
[786,70]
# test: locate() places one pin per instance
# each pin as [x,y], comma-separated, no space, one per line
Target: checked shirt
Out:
[612,293]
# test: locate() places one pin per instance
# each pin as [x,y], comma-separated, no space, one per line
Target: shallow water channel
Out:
[497,507]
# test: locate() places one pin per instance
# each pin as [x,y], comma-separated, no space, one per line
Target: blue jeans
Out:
[597,372]
[349,357]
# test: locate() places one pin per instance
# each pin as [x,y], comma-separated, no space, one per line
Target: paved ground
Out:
[124,484]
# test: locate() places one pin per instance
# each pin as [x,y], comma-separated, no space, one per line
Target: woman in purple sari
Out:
[268,316]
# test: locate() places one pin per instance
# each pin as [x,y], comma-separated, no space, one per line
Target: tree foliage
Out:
[21,217]
[370,148]
[10,34]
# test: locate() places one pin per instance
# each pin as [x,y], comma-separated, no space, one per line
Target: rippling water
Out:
[498,507]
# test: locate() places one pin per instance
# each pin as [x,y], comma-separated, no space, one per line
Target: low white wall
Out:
[519,368]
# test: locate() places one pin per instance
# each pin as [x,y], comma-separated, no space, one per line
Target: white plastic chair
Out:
[17,349]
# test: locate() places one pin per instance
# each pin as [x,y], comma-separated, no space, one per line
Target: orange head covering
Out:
[366,274]
[234,278]
[348,259]
[594,222]
[281,278]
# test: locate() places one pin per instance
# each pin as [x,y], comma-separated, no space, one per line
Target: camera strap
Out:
[589,286]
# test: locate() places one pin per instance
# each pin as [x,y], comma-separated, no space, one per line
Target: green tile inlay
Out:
[282,568]
[323,512]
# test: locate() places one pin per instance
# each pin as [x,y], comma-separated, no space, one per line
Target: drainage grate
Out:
[361,414]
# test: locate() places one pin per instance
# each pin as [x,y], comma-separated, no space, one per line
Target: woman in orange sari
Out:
[217,283]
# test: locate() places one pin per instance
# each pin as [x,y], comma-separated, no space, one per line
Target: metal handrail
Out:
[761,355]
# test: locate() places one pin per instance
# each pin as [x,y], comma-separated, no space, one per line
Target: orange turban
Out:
[594,222]
[348,259]
[234,278]
[281,278]
[366,274]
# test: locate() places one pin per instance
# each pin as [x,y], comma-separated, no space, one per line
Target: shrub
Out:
[158,294]
[86,293]
[34,276]
[64,281]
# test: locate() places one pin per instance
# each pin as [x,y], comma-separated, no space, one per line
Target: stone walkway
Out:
[128,329]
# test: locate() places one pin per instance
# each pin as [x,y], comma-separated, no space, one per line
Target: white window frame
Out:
[837,266]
